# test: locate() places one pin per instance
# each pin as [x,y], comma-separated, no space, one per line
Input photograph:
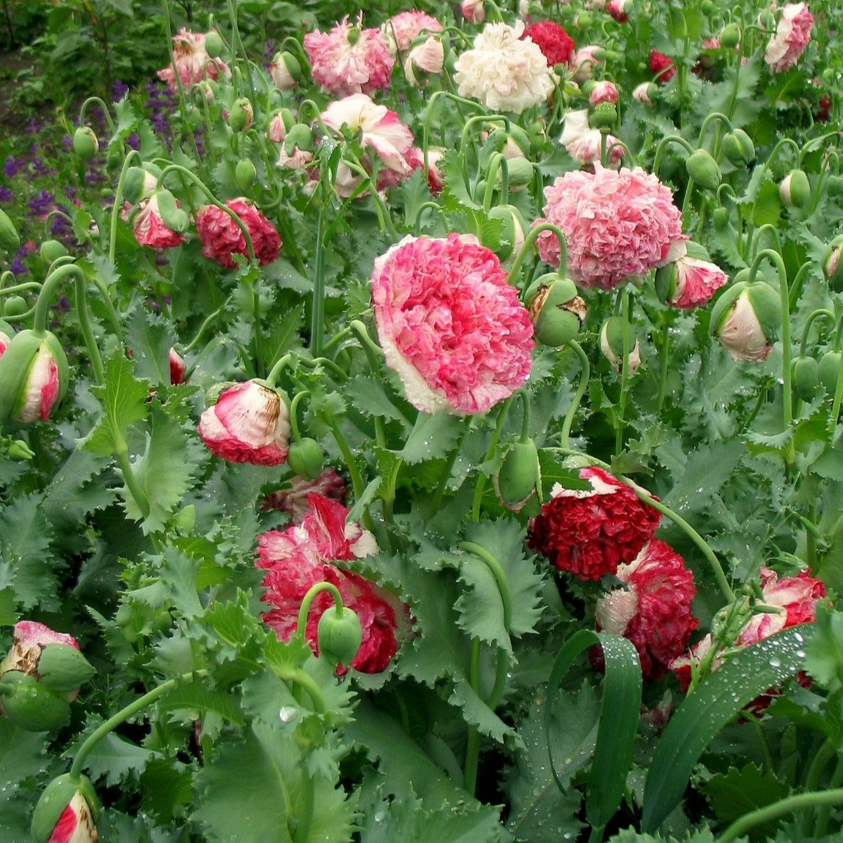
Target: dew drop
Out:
[288,713]
[774,662]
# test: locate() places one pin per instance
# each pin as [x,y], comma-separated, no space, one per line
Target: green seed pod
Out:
[66,791]
[730,36]
[245,174]
[214,44]
[795,190]
[339,635]
[30,705]
[829,76]
[556,311]
[828,370]
[806,378]
[739,148]
[518,476]
[306,458]
[85,143]
[171,214]
[52,250]
[604,116]
[703,169]
[63,668]
[16,306]
[9,237]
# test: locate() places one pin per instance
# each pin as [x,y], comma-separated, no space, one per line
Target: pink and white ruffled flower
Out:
[603,91]
[402,29]
[302,556]
[450,325]
[344,63]
[150,229]
[583,143]
[696,282]
[474,11]
[504,72]
[742,334]
[40,390]
[294,500]
[249,423]
[192,62]
[584,61]
[427,57]
[221,236]
[792,35]
[617,225]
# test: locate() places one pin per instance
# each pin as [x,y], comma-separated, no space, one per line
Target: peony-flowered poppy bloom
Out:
[349,59]
[584,144]
[402,29]
[654,609]
[691,281]
[603,91]
[589,533]
[221,236]
[558,47]
[303,555]
[249,423]
[504,72]
[663,66]
[617,225]
[294,499]
[450,325]
[790,39]
[150,229]
[425,58]
[192,62]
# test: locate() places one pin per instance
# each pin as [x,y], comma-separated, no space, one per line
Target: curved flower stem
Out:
[118,200]
[20,288]
[500,578]
[304,818]
[716,115]
[85,325]
[201,332]
[276,370]
[294,406]
[104,108]
[624,373]
[664,362]
[428,117]
[779,809]
[798,281]
[121,717]
[497,164]
[348,458]
[116,326]
[760,232]
[686,202]
[237,41]
[490,452]
[663,144]
[328,364]
[766,165]
[585,374]
[45,296]
[427,206]
[838,397]
[304,609]
[527,248]
[317,310]
[820,313]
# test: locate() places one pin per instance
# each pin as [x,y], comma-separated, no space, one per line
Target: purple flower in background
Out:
[17,266]
[40,204]
[12,167]
[33,127]
[6,195]
[62,304]
[119,90]
[67,142]
[133,141]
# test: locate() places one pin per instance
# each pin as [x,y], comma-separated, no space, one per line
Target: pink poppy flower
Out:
[604,91]
[402,29]
[249,423]
[663,66]
[294,500]
[584,61]
[617,225]
[192,61]
[696,282]
[450,325]
[654,609]
[583,143]
[349,59]
[303,555]
[41,387]
[790,39]
[221,237]
[150,229]
[474,11]
[617,9]
[589,533]
[176,367]
[425,58]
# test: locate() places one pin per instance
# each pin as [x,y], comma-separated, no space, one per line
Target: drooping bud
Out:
[19,451]
[746,320]
[703,169]
[170,212]
[645,93]
[177,368]
[339,636]
[134,184]
[739,148]
[245,173]
[85,143]
[519,171]
[832,265]
[15,306]
[52,250]
[299,137]
[306,458]
[720,218]
[241,115]
[556,311]
[214,44]
[583,20]
[9,237]
[31,706]
[518,477]
[285,71]
[806,378]
[511,233]
[795,190]
[829,370]
[611,344]
[730,36]
[33,377]
[66,812]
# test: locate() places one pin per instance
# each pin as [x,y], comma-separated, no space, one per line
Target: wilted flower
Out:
[221,236]
[617,225]
[301,556]
[249,423]
[552,40]
[428,57]
[662,66]
[349,60]
[654,609]
[589,533]
[502,71]
[192,61]
[402,29]
[791,37]
[583,143]
[277,129]
[450,325]
[150,229]
[474,11]
[294,500]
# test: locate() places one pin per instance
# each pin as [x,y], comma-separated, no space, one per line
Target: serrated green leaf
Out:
[150,339]
[164,788]
[704,713]
[370,397]
[824,648]
[432,437]
[22,753]
[706,470]
[112,758]
[194,697]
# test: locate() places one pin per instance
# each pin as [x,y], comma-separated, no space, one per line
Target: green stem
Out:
[348,458]
[820,313]
[122,454]
[662,146]
[824,812]
[472,746]
[527,248]
[624,374]
[490,452]
[304,817]
[318,588]
[294,423]
[118,201]
[204,327]
[317,318]
[436,501]
[105,111]
[85,325]
[585,374]
[51,282]
[499,575]
[664,363]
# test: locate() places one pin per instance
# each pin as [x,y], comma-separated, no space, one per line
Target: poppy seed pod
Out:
[556,310]
[339,635]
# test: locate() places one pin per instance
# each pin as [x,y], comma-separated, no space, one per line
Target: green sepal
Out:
[171,215]
[31,706]
[63,668]
[9,237]
[299,136]
[15,365]
[666,277]
[55,798]
[828,370]
[739,148]
[723,307]
[766,303]
[556,310]
[339,635]
[306,458]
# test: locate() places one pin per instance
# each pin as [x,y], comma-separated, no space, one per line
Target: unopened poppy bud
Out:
[583,20]
[806,378]
[52,250]
[720,218]
[185,520]
[33,377]
[245,174]
[9,237]
[611,344]
[512,230]
[306,458]
[339,635]
[19,451]
[171,214]
[832,265]
[834,185]
[766,19]
[604,116]
[62,668]
[30,705]
[518,476]
[66,812]
[177,368]
[241,115]
[85,143]
[746,320]
[134,185]
[828,371]
[703,169]
[739,148]
[15,306]
[795,191]
[299,137]
[114,155]
[556,311]
[645,93]
[730,36]
[285,71]
[519,172]
[707,7]
[214,44]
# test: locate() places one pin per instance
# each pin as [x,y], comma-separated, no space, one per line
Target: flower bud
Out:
[834,185]
[134,185]
[425,59]
[66,812]
[171,214]
[176,368]
[339,636]
[604,116]
[474,11]
[9,237]
[556,311]
[185,520]
[306,457]
[720,218]
[299,137]
[214,44]
[583,20]
[30,705]
[33,377]
[703,169]
[746,321]
[739,148]
[511,233]
[19,451]
[285,71]
[241,116]
[707,7]
[832,266]
[114,155]
[646,93]
[766,19]
[828,370]
[85,143]
[519,173]
[806,378]
[518,477]
[795,191]
[15,306]
[245,174]
[730,36]
[52,250]
[611,344]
